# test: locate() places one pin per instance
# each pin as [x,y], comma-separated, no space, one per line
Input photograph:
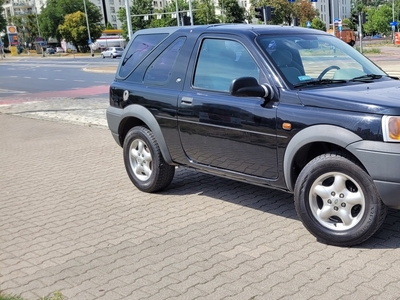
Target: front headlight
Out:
[391,128]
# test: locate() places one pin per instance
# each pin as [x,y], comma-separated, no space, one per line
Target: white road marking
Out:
[2,91]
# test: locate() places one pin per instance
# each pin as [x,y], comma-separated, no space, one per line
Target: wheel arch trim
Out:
[143,114]
[318,133]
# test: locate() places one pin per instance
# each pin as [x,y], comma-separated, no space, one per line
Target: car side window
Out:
[220,62]
[160,70]
[140,46]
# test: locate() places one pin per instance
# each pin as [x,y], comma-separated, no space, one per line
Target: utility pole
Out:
[88,30]
[128,19]
[360,30]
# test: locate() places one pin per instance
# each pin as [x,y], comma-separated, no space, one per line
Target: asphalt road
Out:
[31,75]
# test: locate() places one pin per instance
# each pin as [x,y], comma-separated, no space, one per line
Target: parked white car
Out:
[112,52]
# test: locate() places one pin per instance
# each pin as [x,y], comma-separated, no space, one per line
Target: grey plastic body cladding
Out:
[116,115]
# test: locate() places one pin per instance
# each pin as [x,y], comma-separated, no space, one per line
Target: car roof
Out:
[242,29]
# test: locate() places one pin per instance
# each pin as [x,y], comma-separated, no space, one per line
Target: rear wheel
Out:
[102,56]
[144,162]
[337,201]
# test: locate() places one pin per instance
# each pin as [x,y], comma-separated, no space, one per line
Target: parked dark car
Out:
[283,107]
[50,50]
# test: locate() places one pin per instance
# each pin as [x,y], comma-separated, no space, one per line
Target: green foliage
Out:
[55,296]
[284,10]
[232,11]
[318,24]
[3,21]
[109,26]
[205,13]
[137,7]
[74,30]
[52,16]
[378,20]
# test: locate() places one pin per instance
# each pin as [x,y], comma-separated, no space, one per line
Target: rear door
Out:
[219,130]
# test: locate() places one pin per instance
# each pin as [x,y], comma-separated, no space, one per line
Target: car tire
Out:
[144,162]
[337,200]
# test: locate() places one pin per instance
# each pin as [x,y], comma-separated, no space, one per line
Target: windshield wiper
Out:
[366,77]
[320,82]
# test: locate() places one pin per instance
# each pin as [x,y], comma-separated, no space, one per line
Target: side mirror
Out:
[249,87]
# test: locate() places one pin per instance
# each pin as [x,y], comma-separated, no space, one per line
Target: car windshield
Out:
[317,60]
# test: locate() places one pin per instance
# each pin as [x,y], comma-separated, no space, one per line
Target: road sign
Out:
[394,23]
[340,27]
[308,24]
[90,41]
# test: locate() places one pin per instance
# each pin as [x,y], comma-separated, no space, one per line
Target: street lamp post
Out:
[38,27]
[88,30]
[393,27]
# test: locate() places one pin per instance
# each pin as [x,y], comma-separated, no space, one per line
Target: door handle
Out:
[187,100]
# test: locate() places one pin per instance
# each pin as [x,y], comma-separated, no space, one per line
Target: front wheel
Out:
[144,162]
[337,201]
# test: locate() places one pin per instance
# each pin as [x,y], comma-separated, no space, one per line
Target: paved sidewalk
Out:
[71,221]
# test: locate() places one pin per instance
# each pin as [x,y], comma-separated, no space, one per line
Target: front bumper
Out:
[382,161]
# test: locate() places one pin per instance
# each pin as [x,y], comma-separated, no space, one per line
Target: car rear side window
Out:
[160,70]
[140,46]
[222,61]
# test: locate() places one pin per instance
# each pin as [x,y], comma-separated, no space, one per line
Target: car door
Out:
[217,129]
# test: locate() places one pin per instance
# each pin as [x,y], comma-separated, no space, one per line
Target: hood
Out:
[379,97]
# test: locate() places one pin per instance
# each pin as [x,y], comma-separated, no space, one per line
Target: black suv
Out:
[283,107]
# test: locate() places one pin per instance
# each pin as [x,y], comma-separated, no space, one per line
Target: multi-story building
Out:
[21,7]
[336,9]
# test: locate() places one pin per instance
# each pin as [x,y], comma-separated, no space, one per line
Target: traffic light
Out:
[186,20]
[296,21]
[355,18]
[270,12]
[363,17]
[260,13]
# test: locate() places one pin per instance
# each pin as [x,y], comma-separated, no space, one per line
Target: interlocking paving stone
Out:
[71,220]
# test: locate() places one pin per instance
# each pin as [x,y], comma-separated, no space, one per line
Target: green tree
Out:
[205,13]
[232,12]
[138,9]
[318,24]
[305,12]
[52,15]
[3,21]
[378,20]
[109,26]
[74,30]
[167,19]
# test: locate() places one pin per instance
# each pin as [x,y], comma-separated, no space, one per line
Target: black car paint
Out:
[236,122]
